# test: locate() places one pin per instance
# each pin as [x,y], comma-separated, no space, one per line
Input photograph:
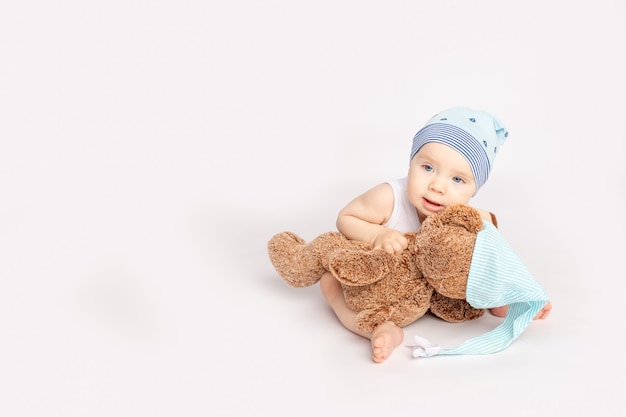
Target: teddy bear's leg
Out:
[302,264]
[293,261]
[453,310]
[401,312]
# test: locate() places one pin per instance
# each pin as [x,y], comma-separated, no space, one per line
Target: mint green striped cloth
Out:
[497,277]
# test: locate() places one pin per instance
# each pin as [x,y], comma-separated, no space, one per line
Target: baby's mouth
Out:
[431,205]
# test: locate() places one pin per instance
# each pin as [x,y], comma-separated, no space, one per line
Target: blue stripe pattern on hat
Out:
[461,141]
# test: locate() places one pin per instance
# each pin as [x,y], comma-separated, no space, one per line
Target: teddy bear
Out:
[429,276]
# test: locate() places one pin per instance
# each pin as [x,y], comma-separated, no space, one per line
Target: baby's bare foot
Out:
[544,311]
[385,338]
[499,311]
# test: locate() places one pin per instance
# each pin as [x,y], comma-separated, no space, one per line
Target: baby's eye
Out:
[428,168]
[458,180]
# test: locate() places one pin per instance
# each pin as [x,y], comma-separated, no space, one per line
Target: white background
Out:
[150,149]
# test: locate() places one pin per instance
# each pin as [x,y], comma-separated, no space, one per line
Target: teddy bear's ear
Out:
[463,216]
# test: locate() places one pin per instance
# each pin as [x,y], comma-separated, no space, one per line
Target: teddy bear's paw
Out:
[291,260]
[453,310]
[360,268]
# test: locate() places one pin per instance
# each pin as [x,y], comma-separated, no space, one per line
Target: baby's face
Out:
[439,177]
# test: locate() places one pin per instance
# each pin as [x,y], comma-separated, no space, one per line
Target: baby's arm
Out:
[363,218]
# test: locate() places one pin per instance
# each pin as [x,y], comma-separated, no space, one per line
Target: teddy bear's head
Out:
[445,244]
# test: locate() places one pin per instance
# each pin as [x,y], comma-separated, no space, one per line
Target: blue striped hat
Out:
[475,134]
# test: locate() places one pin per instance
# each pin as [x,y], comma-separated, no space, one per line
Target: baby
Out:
[451,158]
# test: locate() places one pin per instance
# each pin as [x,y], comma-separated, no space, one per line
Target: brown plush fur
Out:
[430,275]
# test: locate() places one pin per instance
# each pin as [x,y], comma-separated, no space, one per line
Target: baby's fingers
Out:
[393,247]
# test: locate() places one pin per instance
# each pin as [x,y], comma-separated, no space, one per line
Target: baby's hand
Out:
[391,241]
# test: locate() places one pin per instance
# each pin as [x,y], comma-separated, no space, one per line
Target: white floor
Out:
[148,154]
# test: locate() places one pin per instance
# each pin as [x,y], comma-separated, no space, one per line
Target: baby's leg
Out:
[385,337]
[333,293]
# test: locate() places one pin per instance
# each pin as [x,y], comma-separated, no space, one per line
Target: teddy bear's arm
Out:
[361,267]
